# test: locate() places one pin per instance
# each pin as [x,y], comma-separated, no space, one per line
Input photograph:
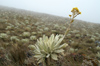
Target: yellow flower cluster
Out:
[76,10]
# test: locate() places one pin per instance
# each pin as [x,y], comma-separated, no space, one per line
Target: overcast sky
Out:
[90,8]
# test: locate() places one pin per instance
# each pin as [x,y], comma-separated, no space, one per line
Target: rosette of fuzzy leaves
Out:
[49,47]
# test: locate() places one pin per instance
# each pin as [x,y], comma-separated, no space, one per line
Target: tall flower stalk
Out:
[75,11]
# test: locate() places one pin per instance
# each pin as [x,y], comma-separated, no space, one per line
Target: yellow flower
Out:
[79,12]
[70,15]
[75,10]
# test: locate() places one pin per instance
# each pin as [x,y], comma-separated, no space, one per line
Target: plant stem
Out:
[48,61]
[68,29]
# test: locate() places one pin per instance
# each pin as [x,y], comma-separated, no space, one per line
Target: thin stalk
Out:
[68,29]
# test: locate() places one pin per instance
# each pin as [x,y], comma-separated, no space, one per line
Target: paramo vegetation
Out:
[35,39]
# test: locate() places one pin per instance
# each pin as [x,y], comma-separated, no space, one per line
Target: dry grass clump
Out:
[17,55]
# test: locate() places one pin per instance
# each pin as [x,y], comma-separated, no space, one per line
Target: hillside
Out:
[17,26]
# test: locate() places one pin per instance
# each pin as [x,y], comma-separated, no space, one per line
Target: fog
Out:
[89,8]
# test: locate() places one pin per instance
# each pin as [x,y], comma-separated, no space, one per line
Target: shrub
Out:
[8,32]
[14,38]
[77,35]
[31,47]
[33,38]
[3,35]
[9,27]
[25,40]
[91,40]
[33,33]
[46,28]
[26,34]
[27,28]
[98,55]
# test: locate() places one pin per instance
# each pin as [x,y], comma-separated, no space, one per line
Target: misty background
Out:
[89,8]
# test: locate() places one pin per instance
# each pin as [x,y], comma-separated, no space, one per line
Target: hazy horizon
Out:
[90,9]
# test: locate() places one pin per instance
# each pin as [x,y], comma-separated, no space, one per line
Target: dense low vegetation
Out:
[19,29]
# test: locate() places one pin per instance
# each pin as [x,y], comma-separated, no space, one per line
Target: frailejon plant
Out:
[3,36]
[48,48]
[26,34]
[33,38]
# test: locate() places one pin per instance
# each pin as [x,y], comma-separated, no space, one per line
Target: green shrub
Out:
[26,34]
[33,38]
[25,40]
[3,35]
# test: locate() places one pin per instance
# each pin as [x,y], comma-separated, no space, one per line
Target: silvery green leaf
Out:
[56,39]
[51,38]
[37,56]
[37,48]
[59,51]
[47,55]
[59,41]
[37,53]
[40,60]
[44,52]
[45,47]
[54,56]
[63,45]
[32,47]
